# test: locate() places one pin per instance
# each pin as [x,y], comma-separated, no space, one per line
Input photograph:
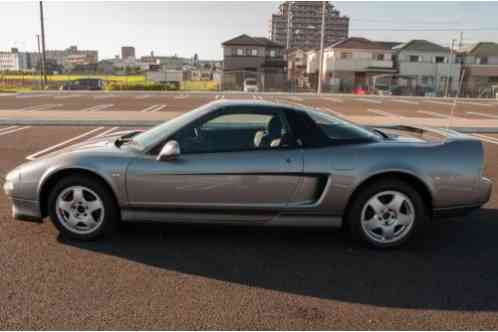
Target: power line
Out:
[426,29]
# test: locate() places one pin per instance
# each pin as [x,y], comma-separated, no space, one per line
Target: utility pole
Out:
[450,60]
[289,30]
[322,37]
[44,58]
[42,84]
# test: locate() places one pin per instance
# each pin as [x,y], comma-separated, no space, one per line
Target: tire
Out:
[83,208]
[387,214]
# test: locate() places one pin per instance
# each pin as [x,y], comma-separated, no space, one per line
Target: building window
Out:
[378,56]
[427,80]
[440,59]
[254,52]
[273,53]
[414,58]
[482,60]
[240,52]
[346,55]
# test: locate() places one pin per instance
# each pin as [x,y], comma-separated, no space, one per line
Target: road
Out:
[213,277]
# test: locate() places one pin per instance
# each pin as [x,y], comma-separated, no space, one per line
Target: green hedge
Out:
[141,87]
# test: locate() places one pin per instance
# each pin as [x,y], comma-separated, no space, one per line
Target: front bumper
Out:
[26,210]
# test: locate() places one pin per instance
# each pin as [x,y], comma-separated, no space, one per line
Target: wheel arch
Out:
[418,184]
[53,178]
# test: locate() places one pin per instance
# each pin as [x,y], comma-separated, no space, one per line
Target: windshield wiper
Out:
[128,138]
[380,133]
[122,140]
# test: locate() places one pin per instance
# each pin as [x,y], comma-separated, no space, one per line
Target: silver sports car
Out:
[258,163]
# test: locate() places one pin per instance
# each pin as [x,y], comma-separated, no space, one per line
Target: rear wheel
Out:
[82,208]
[387,214]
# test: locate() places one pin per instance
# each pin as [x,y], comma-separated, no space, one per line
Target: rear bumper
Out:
[483,194]
[26,210]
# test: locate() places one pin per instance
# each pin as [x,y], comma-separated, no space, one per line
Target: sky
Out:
[186,28]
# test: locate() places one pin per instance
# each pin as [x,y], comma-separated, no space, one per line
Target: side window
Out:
[237,131]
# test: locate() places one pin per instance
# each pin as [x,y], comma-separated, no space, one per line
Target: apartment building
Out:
[480,70]
[427,67]
[127,52]
[299,23]
[258,57]
[13,60]
[296,68]
[356,63]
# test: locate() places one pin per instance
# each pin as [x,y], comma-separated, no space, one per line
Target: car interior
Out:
[235,132]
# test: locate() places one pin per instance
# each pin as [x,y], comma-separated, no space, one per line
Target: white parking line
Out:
[23,96]
[295,98]
[384,113]
[158,108]
[108,131]
[373,101]
[143,97]
[8,94]
[15,130]
[328,109]
[8,128]
[437,115]
[182,96]
[475,103]
[149,108]
[42,107]
[404,101]
[484,115]
[334,99]
[53,147]
[485,138]
[438,102]
[96,108]
[153,108]
[104,96]
[66,96]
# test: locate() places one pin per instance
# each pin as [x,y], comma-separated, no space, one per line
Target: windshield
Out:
[156,134]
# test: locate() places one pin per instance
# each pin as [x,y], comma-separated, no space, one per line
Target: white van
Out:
[250,85]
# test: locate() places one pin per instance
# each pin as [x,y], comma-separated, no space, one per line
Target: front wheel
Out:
[387,214]
[82,208]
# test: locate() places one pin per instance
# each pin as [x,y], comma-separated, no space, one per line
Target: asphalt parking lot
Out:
[207,277]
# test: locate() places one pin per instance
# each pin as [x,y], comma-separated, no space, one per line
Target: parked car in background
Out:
[250,85]
[255,163]
[84,84]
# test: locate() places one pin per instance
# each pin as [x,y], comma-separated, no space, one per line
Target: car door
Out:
[220,167]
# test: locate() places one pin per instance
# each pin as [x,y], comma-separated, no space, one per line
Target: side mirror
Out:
[170,151]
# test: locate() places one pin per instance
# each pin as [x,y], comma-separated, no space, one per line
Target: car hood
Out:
[103,143]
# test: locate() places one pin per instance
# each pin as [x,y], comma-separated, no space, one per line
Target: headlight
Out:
[8,187]
[10,180]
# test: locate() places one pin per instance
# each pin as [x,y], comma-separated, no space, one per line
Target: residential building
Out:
[357,63]
[127,52]
[427,67]
[296,69]
[70,57]
[480,70]
[13,60]
[130,64]
[167,62]
[299,22]
[257,57]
